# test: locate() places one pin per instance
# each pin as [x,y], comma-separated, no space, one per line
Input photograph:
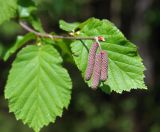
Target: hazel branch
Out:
[46,35]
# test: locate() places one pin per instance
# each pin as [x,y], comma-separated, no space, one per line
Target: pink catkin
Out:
[91,61]
[104,66]
[96,71]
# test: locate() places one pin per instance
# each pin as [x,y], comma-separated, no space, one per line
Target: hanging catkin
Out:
[96,71]
[91,61]
[104,66]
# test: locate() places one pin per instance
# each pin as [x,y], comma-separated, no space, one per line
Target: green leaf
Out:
[21,40]
[63,47]
[27,11]
[125,65]
[69,27]
[26,8]
[38,87]
[36,23]
[8,9]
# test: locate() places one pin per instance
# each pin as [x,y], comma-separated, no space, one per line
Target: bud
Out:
[101,38]
[104,66]
[91,61]
[96,71]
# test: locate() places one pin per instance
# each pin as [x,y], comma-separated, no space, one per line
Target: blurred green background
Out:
[94,111]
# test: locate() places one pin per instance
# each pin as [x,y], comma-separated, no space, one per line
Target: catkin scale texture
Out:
[104,66]
[91,61]
[96,71]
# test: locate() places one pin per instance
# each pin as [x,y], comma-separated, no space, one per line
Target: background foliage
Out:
[92,111]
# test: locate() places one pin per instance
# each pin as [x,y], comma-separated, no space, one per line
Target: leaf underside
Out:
[126,70]
[38,87]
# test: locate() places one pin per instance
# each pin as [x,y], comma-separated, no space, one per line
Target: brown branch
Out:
[46,35]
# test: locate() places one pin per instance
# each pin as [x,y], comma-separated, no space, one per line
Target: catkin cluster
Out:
[97,67]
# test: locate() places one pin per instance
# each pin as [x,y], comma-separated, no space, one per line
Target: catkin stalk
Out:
[91,61]
[104,66]
[96,71]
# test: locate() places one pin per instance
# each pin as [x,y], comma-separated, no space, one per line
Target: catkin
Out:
[96,71]
[104,66]
[91,61]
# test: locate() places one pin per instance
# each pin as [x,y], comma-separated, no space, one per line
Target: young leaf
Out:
[36,23]
[21,40]
[38,87]
[69,27]
[7,9]
[125,70]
